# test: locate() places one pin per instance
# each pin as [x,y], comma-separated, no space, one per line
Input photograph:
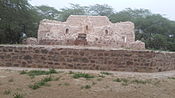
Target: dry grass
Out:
[82,85]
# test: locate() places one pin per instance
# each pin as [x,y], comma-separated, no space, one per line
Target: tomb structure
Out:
[95,31]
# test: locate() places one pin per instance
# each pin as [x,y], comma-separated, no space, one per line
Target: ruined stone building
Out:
[88,31]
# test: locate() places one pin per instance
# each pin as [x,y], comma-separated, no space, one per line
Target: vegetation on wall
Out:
[18,17]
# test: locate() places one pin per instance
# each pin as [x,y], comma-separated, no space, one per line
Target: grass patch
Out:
[117,80]
[140,81]
[40,83]
[17,95]
[172,78]
[64,84]
[82,75]
[106,73]
[86,87]
[120,80]
[34,73]
[125,82]
[7,92]
[23,72]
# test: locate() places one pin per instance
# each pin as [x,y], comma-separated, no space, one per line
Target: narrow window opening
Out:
[87,28]
[106,32]
[67,31]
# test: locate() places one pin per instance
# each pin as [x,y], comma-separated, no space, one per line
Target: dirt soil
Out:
[103,85]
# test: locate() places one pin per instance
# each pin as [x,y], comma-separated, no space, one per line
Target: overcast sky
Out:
[163,7]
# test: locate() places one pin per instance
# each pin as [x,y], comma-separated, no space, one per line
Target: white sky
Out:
[163,7]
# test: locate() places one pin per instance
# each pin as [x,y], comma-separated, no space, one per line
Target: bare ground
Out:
[138,85]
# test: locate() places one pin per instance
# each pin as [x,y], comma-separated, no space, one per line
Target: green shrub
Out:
[82,75]
[52,71]
[33,73]
[173,78]
[40,83]
[139,81]
[23,72]
[106,73]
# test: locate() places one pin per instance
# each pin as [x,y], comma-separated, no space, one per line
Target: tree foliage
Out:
[17,16]
[75,9]
[47,12]
[102,10]
[153,29]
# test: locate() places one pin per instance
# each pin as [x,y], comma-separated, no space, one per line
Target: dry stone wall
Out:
[89,58]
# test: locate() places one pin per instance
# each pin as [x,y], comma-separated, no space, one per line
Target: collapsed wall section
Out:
[88,58]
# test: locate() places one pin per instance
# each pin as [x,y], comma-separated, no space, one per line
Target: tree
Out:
[46,12]
[75,9]
[130,15]
[16,17]
[157,41]
[149,27]
[101,10]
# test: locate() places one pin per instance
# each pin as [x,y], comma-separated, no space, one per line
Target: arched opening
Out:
[67,31]
[87,28]
[106,32]
[47,35]
[124,39]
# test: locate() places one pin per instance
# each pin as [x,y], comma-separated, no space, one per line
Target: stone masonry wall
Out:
[89,58]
